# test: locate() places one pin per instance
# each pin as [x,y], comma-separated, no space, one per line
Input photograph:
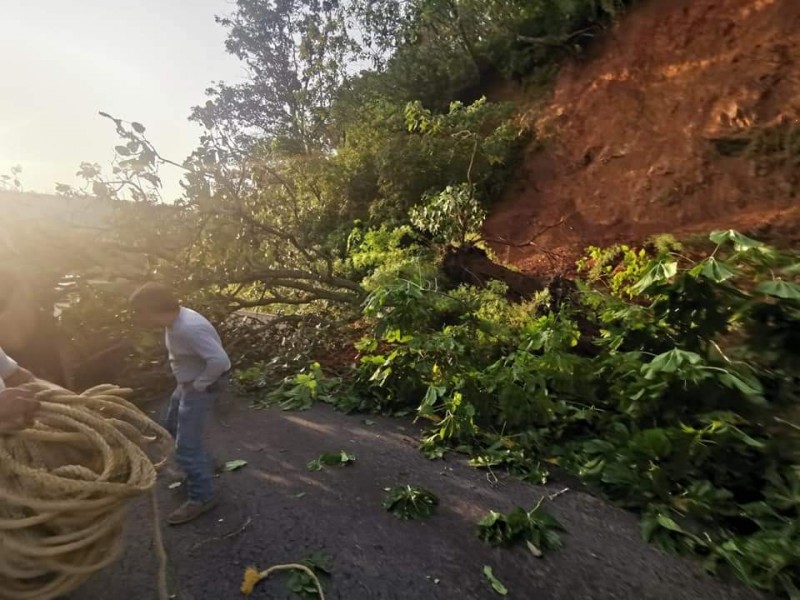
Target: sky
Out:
[62,61]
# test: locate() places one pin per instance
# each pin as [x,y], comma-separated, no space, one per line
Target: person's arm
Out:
[205,343]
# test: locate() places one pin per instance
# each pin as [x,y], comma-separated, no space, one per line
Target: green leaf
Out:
[537,527]
[716,271]
[661,270]
[331,459]
[780,289]
[792,269]
[490,519]
[649,525]
[410,502]
[653,442]
[235,465]
[669,523]
[740,243]
[533,549]
[432,395]
[670,362]
[748,385]
[496,584]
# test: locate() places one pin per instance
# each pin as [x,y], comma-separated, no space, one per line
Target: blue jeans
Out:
[186,420]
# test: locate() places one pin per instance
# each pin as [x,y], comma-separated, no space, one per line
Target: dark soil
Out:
[275,511]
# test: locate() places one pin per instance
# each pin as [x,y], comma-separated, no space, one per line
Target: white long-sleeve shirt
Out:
[196,354]
[7,367]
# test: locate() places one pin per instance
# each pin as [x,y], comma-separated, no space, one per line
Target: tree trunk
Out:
[471,265]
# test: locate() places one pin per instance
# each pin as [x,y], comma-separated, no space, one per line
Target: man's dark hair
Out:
[154,298]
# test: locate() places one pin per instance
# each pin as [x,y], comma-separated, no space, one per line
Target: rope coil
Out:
[65,485]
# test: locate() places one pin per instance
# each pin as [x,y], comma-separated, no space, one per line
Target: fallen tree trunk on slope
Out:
[472,266]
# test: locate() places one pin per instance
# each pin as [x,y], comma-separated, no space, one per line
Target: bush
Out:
[680,413]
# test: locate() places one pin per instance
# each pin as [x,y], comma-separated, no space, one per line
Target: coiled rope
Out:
[252,577]
[65,485]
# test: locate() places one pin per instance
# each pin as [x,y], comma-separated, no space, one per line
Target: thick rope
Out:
[253,576]
[65,485]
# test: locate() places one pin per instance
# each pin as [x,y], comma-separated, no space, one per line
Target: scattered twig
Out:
[491,477]
[788,423]
[241,529]
[555,495]
[233,533]
[530,242]
[556,40]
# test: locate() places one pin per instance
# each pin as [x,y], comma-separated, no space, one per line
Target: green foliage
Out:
[382,256]
[453,216]
[438,49]
[235,465]
[680,410]
[296,392]
[452,356]
[537,528]
[301,390]
[410,502]
[300,583]
[331,459]
[496,584]
[617,267]
[297,54]
[508,454]
[397,152]
[250,380]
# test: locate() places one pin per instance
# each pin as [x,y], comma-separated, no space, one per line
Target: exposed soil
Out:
[626,148]
[262,521]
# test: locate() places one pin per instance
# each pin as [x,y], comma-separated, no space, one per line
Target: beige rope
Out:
[65,485]
[253,576]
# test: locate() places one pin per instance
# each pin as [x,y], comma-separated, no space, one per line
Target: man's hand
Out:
[17,409]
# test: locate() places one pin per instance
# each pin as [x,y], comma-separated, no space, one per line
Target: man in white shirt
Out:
[17,407]
[200,366]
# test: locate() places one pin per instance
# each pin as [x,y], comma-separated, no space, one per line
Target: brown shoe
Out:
[189,511]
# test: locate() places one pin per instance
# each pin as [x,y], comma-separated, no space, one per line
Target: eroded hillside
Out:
[684,118]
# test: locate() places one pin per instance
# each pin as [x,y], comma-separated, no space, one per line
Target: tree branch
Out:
[553,40]
[531,241]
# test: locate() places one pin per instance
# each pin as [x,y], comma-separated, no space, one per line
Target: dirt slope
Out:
[627,135]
